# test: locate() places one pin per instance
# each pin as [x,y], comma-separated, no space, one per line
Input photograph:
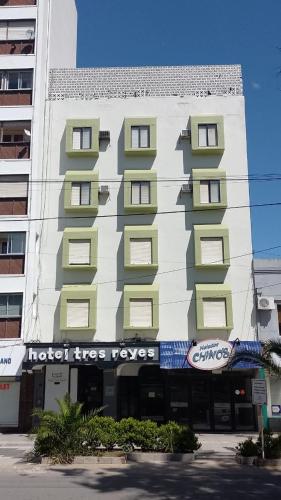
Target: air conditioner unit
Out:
[266,303]
[185,134]
[186,188]
[104,135]
[104,189]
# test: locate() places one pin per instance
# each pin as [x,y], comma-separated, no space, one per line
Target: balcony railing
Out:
[15,97]
[14,150]
[8,3]
[16,47]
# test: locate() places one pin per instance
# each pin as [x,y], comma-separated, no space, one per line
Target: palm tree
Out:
[61,433]
[269,357]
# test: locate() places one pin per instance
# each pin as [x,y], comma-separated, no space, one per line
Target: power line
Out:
[139,276]
[133,214]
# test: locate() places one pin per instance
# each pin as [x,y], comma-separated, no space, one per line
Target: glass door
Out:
[178,401]
[222,403]
[200,395]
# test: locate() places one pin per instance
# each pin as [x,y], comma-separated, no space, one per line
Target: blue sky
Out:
[162,32]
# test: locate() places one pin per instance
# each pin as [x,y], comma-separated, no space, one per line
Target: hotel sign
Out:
[210,354]
[91,354]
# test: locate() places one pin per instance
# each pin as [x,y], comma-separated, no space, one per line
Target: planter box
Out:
[79,460]
[246,460]
[162,458]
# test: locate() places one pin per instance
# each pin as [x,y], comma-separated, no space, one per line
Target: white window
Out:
[16,80]
[81,138]
[13,186]
[141,313]
[212,250]
[80,193]
[17,30]
[79,252]
[12,243]
[140,136]
[207,135]
[140,251]
[77,313]
[210,191]
[214,313]
[140,193]
[10,306]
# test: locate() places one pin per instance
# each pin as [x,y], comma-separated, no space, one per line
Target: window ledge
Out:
[80,267]
[137,209]
[132,267]
[140,152]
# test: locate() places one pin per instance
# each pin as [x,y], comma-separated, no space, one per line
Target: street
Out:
[220,479]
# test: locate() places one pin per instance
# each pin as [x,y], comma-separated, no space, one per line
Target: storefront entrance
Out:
[90,387]
[205,401]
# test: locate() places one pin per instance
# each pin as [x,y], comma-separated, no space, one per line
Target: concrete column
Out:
[110,393]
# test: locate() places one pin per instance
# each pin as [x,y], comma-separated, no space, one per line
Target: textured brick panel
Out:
[154,81]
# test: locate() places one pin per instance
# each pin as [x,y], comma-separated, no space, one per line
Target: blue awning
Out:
[174,354]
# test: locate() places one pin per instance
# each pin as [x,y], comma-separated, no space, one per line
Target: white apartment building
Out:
[30,33]
[145,285]
[126,233]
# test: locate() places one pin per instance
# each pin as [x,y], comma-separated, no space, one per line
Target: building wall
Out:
[268,283]
[176,275]
[49,16]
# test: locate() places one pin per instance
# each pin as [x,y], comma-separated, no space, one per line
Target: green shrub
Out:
[272,445]
[175,438]
[247,448]
[101,431]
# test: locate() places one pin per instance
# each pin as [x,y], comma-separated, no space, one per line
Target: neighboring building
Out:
[30,34]
[125,279]
[268,289]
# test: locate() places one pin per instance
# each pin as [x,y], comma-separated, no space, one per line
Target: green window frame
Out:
[94,125]
[131,176]
[80,234]
[210,174]
[213,291]
[134,292]
[79,292]
[145,122]
[76,177]
[196,122]
[211,231]
[140,232]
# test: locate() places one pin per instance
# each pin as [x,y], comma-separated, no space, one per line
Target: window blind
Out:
[215,191]
[204,191]
[202,136]
[75,194]
[13,187]
[86,138]
[85,193]
[79,252]
[134,137]
[212,135]
[145,193]
[144,137]
[141,313]
[77,313]
[135,193]
[140,251]
[21,30]
[214,313]
[211,250]
[76,139]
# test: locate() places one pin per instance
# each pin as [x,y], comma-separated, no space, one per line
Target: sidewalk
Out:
[13,447]
[219,446]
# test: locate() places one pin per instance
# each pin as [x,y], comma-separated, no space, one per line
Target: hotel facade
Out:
[141,265]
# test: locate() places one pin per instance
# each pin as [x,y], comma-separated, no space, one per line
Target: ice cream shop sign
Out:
[210,354]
